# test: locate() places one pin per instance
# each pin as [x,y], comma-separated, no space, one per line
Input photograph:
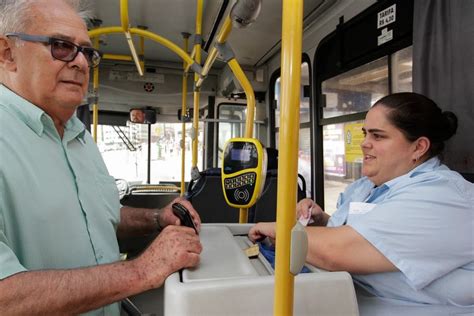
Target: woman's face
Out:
[387,153]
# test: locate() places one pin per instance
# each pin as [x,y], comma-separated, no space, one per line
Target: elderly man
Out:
[59,209]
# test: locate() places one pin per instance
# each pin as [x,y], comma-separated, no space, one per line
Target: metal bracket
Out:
[196,89]
[196,68]
[198,39]
[225,51]
[93,99]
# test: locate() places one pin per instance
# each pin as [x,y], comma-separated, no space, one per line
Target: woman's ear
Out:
[422,145]
[7,62]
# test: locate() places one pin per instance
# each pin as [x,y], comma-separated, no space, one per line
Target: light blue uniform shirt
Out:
[59,207]
[423,222]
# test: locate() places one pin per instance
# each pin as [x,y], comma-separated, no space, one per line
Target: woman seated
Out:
[405,230]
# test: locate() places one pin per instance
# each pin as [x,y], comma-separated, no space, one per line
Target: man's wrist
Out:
[156,219]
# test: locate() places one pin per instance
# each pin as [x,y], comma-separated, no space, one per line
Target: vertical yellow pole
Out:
[95,85]
[250,94]
[288,163]
[197,47]
[183,112]
[141,55]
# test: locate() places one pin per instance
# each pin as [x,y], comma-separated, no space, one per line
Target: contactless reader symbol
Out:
[243,195]
[244,168]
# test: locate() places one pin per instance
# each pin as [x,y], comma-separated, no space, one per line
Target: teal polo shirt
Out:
[59,207]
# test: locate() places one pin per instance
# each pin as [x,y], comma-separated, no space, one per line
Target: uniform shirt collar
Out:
[428,165]
[34,117]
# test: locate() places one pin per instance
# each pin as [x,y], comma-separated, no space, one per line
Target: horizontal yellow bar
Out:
[147,34]
[118,57]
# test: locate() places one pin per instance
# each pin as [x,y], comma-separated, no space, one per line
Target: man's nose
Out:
[80,61]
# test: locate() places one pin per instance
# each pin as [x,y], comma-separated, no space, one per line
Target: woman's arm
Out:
[344,249]
[335,249]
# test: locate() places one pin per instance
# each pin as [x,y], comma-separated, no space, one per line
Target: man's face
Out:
[56,86]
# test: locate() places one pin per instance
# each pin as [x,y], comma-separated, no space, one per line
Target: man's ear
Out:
[7,61]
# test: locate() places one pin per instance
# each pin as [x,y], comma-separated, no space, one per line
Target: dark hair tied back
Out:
[418,116]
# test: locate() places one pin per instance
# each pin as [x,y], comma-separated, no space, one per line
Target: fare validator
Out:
[244,168]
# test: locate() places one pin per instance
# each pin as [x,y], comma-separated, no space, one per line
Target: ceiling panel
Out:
[169,18]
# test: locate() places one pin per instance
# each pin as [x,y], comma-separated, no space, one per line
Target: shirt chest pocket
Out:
[99,198]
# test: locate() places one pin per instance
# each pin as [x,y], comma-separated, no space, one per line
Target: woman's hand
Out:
[262,230]
[308,208]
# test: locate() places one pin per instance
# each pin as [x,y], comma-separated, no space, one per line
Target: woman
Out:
[405,230]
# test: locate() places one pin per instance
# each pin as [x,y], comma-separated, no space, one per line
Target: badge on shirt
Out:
[360,207]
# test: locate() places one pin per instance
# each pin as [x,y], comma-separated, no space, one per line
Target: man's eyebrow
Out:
[70,39]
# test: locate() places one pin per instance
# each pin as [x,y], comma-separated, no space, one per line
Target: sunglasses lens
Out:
[93,56]
[63,50]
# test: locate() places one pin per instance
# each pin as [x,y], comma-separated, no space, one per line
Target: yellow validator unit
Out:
[244,167]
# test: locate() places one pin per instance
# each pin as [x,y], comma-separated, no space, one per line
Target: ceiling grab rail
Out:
[292,28]
[126,26]
[152,36]
[183,115]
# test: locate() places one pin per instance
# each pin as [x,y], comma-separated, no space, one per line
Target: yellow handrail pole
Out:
[292,28]
[95,86]
[193,54]
[126,30]
[124,15]
[147,34]
[211,58]
[183,112]
[250,94]
[197,48]
[142,53]
[117,57]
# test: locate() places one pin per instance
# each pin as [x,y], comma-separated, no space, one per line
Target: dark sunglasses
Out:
[61,49]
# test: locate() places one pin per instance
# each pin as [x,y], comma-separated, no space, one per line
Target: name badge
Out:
[360,207]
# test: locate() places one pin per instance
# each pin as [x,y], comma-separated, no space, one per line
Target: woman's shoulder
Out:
[437,181]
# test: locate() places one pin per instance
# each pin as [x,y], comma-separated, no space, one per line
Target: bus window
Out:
[355,91]
[304,152]
[401,69]
[128,160]
[231,129]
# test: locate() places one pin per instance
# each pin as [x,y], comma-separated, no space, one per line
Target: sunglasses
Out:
[61,49]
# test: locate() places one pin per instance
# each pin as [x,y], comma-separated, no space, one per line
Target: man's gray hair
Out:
[15,14]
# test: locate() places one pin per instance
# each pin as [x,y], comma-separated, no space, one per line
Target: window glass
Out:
[402,64]
[129,162]
[342,159]
[356,90]
[351,92]
[304,96]
[228,130]
[304,152]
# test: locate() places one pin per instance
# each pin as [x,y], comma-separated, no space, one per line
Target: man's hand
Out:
[307,208]
[176,247]
[166,216]
[262,230]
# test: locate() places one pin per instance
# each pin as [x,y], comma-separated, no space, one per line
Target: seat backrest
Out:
[265,208]
[208,199]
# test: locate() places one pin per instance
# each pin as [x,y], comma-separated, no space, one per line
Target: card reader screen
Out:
[240,154]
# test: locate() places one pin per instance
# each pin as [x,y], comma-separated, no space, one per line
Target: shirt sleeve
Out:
[425,229]
[9,263]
